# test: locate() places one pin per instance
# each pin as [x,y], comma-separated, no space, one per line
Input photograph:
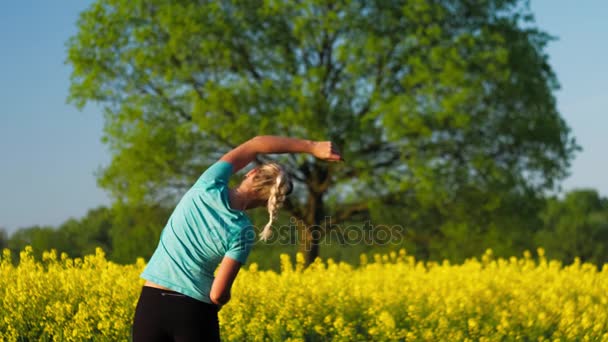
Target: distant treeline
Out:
[569,227]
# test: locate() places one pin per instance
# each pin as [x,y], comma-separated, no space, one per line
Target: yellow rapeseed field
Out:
[393,297]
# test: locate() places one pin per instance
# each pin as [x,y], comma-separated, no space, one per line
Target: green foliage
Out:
[86,234]
[135,231]
[444,110]
[41,238]
[76,237]
[3,238]
[576,226]
[125,233]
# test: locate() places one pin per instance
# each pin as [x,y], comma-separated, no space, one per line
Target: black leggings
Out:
[163,315]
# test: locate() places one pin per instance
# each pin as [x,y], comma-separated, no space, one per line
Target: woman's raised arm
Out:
[246,152]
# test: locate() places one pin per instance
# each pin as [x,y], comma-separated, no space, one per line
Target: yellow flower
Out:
[392,297]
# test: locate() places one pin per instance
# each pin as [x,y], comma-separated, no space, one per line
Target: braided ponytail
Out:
[272,184]
[275,201]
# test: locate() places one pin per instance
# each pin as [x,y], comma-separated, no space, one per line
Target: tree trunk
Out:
[310,230]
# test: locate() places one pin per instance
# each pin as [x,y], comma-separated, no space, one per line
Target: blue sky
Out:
[49,151]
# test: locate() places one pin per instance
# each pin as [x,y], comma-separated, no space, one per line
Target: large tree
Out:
[442,108]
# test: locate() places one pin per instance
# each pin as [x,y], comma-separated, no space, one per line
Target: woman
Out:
[181,297]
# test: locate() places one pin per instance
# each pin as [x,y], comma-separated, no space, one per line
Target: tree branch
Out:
[247,60]
[193,82]
[161,94]
[295,211]
[350,210]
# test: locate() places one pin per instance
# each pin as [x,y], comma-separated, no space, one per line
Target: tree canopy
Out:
[444,110]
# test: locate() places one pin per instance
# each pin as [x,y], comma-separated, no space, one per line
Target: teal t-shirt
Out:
[202,229]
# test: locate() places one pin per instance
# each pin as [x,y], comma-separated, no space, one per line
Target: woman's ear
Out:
[250,172]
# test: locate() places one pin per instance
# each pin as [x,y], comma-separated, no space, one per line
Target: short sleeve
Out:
[218,171]
[241,245]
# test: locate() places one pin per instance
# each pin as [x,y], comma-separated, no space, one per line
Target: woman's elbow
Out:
[219,299]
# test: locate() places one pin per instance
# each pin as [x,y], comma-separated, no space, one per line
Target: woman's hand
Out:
[326,150]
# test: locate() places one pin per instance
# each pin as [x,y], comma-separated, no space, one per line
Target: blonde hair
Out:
[273,183]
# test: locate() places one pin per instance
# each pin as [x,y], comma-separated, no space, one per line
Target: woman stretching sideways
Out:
[181,297]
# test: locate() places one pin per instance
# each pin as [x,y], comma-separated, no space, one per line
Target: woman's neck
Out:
[238,199]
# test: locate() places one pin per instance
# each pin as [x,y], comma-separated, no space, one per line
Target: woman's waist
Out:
[169,289]
[156,286]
